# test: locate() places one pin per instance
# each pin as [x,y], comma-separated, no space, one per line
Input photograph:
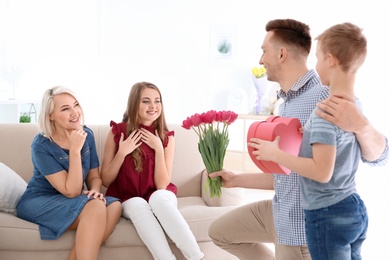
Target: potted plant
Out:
[24,118]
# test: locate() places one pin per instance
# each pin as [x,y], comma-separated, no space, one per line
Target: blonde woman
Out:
[64,158]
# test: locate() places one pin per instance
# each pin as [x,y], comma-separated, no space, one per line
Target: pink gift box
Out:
[290,139]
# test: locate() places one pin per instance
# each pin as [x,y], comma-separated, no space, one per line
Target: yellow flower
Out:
[259,72]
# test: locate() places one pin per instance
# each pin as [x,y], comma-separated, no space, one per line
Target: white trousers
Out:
[159,215]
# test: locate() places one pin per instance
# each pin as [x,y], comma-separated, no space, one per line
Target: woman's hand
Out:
[77,138]
[150,139]
[131,143]
[95,194]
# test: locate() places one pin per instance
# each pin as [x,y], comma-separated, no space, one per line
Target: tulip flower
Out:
[212,129]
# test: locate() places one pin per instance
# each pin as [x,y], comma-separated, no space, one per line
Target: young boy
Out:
[335,217]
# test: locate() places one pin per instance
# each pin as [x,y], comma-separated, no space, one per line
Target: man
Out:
[244,231]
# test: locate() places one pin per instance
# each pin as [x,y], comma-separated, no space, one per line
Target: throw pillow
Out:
[12,186]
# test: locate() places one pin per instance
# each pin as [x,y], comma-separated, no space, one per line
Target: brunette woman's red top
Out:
[129,183]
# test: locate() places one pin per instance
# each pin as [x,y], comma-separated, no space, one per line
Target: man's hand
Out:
[226,176]
[342,111]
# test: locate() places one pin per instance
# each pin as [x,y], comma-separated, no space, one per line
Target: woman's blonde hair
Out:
[45,125]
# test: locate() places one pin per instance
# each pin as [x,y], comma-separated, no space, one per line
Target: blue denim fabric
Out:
[337,232]
[41,203]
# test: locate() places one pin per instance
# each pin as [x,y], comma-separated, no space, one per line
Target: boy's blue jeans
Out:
[337,232]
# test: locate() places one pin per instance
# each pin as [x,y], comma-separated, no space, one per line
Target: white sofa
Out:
[20,239]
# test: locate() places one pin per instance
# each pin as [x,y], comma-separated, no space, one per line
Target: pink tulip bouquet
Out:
[212,129]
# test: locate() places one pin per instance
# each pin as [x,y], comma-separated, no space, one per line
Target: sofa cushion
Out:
[198,215]
[12,187]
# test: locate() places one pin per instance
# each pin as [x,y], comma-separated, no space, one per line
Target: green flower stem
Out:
[212,146]
[215,186]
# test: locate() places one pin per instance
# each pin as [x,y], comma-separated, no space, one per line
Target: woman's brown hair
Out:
[131,117]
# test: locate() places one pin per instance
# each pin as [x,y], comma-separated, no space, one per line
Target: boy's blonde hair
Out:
[346,43]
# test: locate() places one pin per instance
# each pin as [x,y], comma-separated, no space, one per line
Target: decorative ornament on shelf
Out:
[212,129]
[260,81]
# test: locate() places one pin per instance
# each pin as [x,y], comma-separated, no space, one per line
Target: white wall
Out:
[100,48]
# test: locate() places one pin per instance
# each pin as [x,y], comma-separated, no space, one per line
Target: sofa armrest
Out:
[229,197]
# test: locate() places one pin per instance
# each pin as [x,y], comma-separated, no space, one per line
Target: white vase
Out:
[261,88]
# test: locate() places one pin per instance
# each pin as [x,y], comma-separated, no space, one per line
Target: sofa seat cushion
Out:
[194,210]
[13,230]
[124,235]
[197,214]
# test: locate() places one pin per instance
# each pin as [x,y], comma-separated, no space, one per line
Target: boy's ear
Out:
[332,61]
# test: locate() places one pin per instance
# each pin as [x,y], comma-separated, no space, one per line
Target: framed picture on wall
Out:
[222,45]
